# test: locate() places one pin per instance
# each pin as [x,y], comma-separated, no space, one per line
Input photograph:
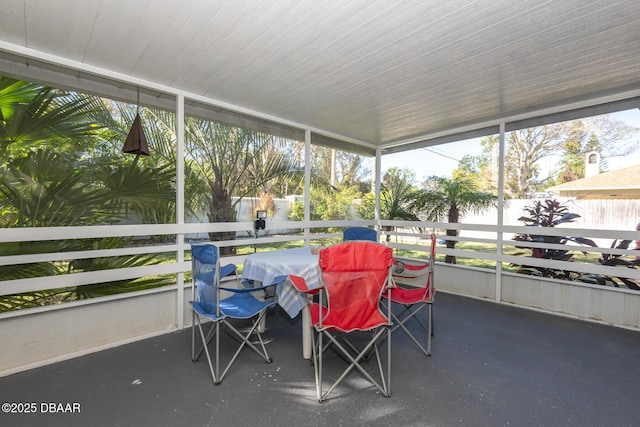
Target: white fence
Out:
[245,212]
[594,214]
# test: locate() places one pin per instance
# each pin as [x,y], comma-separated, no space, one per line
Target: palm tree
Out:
[59,168]
[234,162]
[399,198]
[451,199]
[223,164]
[34,116]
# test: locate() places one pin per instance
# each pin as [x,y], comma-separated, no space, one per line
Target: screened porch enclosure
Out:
[57,332]
[369,92]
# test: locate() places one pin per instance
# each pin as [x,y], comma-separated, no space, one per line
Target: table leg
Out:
[306,333]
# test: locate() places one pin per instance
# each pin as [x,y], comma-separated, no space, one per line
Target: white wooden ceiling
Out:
[380,72]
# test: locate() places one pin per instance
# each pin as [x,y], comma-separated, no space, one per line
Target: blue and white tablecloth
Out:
[266,266]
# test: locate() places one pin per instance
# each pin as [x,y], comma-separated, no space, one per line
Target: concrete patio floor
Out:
[492,365]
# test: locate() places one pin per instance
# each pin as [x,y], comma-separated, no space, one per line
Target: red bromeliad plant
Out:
[614,260]
[550,213]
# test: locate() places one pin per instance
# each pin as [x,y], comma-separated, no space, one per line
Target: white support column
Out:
[180,207]
[333,166]
[306,317]
[307,181]
[377,172]
[500,234]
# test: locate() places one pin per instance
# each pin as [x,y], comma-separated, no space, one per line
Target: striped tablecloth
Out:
[266,266]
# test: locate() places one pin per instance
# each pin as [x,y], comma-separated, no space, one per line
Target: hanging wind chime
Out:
[136,142]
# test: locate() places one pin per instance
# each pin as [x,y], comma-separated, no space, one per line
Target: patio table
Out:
[265,266]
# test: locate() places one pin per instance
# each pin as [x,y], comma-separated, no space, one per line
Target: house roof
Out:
[619,184]
[393,74]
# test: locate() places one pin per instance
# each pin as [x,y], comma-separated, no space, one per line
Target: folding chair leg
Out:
[243,339]
[317,357]
[354,362]
[431,318]
[205,340]
[428,329]
[193,336]
[411,315]
[197,322]
[381,371]
[430,332]
[388,387]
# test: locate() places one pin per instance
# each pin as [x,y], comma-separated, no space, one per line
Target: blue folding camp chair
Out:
[360,233]
[208,302]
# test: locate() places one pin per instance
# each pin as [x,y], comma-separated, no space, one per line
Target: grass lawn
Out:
[590,258]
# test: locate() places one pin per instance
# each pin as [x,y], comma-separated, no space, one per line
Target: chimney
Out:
[592,164]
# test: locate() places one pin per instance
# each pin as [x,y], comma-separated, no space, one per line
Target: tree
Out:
[599,134]
[58,169]
[352,171]
[340,168]
[525,148]
[224,164]
[398,198]
[571,166]
[231,162]
[482,170]
[327,204]
[33,116]
[448,198]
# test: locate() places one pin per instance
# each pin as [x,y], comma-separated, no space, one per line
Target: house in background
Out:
[619,184]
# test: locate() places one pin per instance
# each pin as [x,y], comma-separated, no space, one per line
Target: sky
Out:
[441,160]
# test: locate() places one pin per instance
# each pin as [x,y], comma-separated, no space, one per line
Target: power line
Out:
[448,156]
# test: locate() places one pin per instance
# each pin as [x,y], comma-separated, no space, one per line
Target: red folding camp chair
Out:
[414,290]
[354,277]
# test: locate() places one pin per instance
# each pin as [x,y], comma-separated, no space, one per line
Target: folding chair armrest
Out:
[301,285]
[241,290]
[228,269]
[416,267]
[276,281]
[401,264]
